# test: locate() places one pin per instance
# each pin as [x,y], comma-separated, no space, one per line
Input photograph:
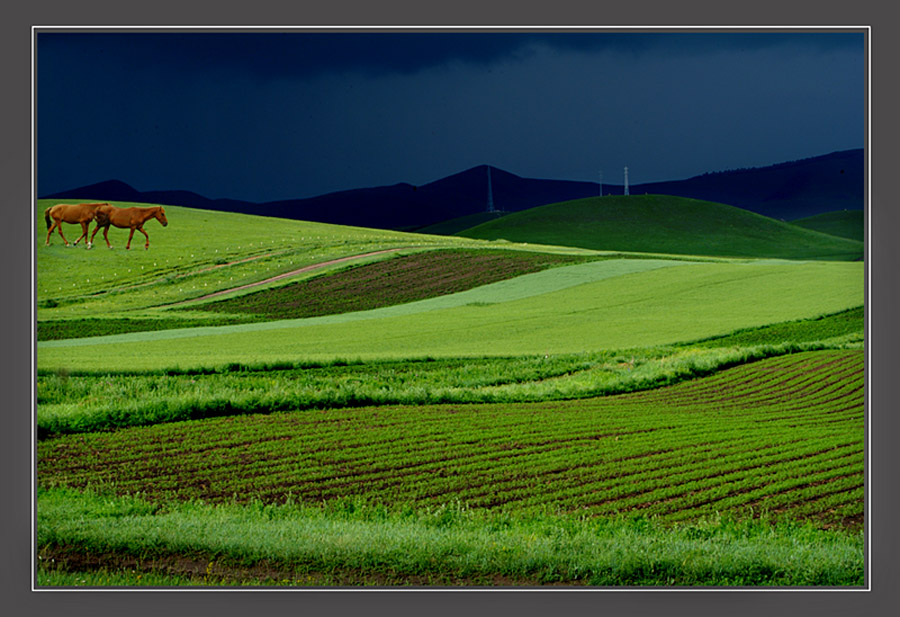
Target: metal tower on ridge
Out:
[490,192]
[626,180]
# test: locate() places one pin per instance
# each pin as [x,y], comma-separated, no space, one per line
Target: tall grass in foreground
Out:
[448,545]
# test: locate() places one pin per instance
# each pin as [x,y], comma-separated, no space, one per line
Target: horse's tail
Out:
[47,216]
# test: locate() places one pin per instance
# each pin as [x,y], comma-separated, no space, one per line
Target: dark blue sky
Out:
[266,116]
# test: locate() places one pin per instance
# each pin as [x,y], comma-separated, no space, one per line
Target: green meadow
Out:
[454,226]
[198,253]
[843,223]
[584,358]
[667,303]
[665,224]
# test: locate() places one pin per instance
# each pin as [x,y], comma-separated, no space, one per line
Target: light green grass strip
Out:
[518,288]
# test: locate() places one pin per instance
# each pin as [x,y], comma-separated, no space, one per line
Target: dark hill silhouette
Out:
[116,190]
[785,191]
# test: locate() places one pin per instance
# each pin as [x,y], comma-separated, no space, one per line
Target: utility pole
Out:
[626,180]
[490,194]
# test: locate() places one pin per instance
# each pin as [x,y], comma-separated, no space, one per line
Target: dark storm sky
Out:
[265,116]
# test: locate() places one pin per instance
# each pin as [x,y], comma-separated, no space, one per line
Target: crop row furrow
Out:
[851,480]
[745,381]
[394,472]
[845,502]
[292,451]
[417,466]
[647,490]
[674,470]
[791,484]
[840,485]
[468,461]
[764,395]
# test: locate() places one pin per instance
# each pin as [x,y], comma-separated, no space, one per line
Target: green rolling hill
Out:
[665,224]
[454,226]
[842,223]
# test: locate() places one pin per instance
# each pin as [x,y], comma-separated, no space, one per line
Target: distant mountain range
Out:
[785,191]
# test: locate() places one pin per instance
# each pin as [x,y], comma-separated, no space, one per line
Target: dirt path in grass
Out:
[282,276]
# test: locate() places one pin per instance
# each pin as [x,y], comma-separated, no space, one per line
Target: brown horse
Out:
[76,214]
[132,218]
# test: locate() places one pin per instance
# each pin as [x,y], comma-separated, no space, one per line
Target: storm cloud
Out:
[273,115]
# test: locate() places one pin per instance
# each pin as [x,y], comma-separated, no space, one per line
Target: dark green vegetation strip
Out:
[88,539]
[783,435]
[391,281]
[60,329]
[840,324]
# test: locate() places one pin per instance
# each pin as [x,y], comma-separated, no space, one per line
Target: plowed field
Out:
[783,435]
[389,282]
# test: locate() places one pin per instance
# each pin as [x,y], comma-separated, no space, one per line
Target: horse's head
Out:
[101,214]
[161,216]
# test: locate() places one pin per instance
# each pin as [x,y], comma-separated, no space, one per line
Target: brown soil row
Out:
[285,275]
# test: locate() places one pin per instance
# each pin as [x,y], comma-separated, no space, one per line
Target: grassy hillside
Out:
[453,226]
[362,285]
[841,223]
[199,252]
[664,224]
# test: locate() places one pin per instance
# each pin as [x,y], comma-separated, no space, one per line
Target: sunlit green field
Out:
[359,447]
[190,257]
[657,306]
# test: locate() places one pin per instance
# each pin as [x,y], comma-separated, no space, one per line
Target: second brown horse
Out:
[131,218]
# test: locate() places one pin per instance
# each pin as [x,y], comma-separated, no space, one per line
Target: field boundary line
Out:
[280,276]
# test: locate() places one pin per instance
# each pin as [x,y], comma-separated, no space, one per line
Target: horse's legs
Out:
[128,246]
[59,229]
[105,229]
[50,231]
[84,230]
[141,229]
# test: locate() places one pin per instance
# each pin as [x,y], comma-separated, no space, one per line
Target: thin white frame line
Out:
[867,336]
[587,28]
